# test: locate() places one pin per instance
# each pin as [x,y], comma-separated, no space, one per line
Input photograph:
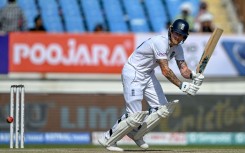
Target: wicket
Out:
[17,111]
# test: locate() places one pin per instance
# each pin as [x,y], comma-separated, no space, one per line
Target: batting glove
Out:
[189,88]
[197,78]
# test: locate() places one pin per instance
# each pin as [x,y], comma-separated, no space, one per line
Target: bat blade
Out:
[209,49]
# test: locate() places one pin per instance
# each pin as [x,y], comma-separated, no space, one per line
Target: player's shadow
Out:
[145,150]
[164,150]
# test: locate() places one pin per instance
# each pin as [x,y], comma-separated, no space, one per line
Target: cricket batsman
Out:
[139,81]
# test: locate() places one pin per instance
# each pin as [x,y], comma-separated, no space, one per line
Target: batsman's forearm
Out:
[184,70]
[186,74]
[169,74]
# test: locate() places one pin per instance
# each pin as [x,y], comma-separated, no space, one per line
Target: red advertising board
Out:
[69,53]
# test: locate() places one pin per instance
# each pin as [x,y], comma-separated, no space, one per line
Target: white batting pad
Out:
[125,126]
[171,105]
[154,118]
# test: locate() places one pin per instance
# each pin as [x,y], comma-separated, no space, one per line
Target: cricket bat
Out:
[209,49]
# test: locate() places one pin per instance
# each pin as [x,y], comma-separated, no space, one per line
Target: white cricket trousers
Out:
[137,86]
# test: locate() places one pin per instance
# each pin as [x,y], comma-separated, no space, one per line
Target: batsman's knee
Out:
[136,119]
[155,115]
[172,105]
[165,110]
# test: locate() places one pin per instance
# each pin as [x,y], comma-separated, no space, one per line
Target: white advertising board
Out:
[219,65]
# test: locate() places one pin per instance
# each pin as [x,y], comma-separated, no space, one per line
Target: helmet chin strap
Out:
[181,42]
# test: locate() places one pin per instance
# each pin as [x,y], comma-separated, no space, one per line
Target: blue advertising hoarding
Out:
[4,54]
[236,51]
[51,138]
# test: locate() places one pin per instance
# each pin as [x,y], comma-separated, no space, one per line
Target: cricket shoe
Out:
[140,142]
[113,147]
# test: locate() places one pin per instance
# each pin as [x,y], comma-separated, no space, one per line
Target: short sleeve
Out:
[179,54]
[160,47]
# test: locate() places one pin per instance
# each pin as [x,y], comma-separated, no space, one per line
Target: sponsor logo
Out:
[69,53]
[77,54]
[161,54]
[203,64]
[239,52]
[236,52]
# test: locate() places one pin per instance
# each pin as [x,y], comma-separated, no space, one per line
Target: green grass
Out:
[127,149]
[132,146]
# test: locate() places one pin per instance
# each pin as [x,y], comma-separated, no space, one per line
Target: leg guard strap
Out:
[154,118]
[125,126]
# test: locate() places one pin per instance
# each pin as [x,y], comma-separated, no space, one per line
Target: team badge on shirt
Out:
[133,92]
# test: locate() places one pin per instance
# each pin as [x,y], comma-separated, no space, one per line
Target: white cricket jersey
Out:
[144,57]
